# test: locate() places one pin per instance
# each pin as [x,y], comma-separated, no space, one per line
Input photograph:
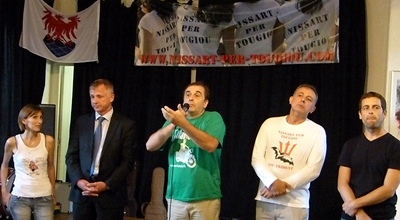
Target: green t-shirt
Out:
[194,174]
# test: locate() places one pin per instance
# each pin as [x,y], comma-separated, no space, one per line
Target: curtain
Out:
[140,92]
[245,97]
[22,74]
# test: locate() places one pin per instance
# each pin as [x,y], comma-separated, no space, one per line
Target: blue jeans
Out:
[22,208]
[269,211]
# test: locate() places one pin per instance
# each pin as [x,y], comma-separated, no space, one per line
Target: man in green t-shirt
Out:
[193,138]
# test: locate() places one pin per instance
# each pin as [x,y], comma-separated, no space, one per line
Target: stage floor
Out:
[65,216]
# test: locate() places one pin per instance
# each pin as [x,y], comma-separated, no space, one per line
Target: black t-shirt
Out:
[369,162]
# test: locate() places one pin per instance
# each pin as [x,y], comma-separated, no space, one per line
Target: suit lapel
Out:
[111,130]
[89,134]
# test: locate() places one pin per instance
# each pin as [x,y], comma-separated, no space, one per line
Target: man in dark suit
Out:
[98,177]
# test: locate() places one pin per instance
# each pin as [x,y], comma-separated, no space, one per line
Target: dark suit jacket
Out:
[116,161]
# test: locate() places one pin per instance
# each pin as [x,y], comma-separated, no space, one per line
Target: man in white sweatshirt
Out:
[288,154]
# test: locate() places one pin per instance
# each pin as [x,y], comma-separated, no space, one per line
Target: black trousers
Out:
[91,210]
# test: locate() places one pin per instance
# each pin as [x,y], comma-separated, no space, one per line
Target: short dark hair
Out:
[371,95]
[202,84]
[310,87]
[27,111]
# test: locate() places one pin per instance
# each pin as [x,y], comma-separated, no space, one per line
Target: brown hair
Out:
[200,83]
[27,111]
[370,95]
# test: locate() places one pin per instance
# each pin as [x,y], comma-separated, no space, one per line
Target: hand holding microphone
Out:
[185,107]
[176,117]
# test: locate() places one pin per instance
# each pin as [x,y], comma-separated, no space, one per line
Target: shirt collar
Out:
[107,116]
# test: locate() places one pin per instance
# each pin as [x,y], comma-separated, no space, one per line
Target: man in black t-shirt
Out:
[369,171]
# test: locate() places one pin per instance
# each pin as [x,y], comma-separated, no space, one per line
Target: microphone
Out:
[185,107]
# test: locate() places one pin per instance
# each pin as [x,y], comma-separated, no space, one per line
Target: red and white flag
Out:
[58,37]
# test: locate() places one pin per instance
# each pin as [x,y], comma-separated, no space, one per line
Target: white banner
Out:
[58,37]
[246,33]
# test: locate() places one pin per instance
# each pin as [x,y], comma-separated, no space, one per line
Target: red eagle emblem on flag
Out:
[60,33]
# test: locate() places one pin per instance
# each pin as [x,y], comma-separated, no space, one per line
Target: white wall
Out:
[58,91]
[378,16]
[393,63]
[383,49]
